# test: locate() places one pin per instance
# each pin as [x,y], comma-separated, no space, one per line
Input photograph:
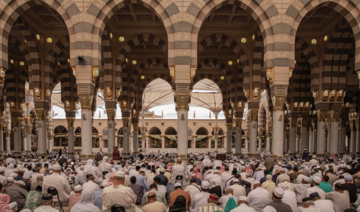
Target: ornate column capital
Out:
[334,115]
[135,126]
[229,126]
[41,113]
[86,101]
[278,96]
[182,96]
[70,121]
[125,121]
[111,113]
[238,121]
[254,114]
[321,115]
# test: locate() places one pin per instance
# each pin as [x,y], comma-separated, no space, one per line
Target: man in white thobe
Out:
[57,181]
[178,170]
[201,198]
[225,198]
[315,182]
[193,188]
[206,162]
[301,189]
[238,190]
[119,194]
[89,169]
[91,185]
[258,198]
[46,204]
[243,206]
[313,162]
[105,165]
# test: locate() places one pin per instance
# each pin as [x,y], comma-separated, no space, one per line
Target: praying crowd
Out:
[162,182]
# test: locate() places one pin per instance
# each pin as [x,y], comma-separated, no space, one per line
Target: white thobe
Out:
[95,173]
[199,200]
[60,183]
[342,181]
[258,175]
[311,208]
[217,163]
[238,190]
[225,198]
[121,195]
[34,177]
[315,189]
[162,189]
[91,186]
[176,170]
[2,179]
[299,179]
[193,189]
[10,160]
[206,162]
[258,199]
[224,176]
[150,178]
[300,191]
[46,208]
[312,162]
[228,181]
[325,205]
[217,179]
[290,199]
[243,208]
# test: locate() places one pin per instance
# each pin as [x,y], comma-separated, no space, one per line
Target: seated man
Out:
[46,204]
[73,199]
[33,199]
[152,205]
[17,194]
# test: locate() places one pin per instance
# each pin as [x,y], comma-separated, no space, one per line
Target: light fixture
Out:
[126,60]
[22,63]
[142,77]
[121,39]
[134,62]
[243,40]
[222,77]
[49,40]
[74,70]
[111,35]
[230,62]
[313,41]
[68,60]
[58,63]
[25,40]
[325,38]
[295,62]
[38,36]
[253,36]
[2,73]
[11,61]
[238,60]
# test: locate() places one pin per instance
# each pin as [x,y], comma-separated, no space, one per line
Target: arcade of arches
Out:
[287,75]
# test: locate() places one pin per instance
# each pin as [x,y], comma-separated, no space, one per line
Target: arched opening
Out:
[202,138]
[95,138]
[120,138]
[77,137]
[155,138]
[170,138]
[60,137]
[221,143]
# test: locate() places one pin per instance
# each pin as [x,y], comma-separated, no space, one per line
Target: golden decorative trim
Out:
[70,121]
[86,101]
[111,113]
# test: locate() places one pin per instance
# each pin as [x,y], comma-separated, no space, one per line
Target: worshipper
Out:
[4,203]
[2,176]
[269,163]
[238,190]
[178,170]
[277,204]
[9,170]
[179,191]
[161,188]
[89,169]
[225,198]
[323,204]
[91,185]
[193,188]
[42,170]
[141,180]
[74,198]
[331,175]
[258,198]
[150,177]
[289,197]
[159,196]
[46,204]
[283,176]
[137,189]
[216,189]
[212,204]
[86,203]
[301,189]
[269,185]
[10,182]
[196,172]
[315,183]
[339,197]
[57,181]
[325,185]
[116,153]
[243,206]
[201,198]
[38,182]
[313,162]
[152,205]
[33,199]
[168,175]
[97,195]
[117,193]
[351,188]
[259,174]
[225,174]
[309,206]
[26,180]
[105,166]
[17,193]
[164,180]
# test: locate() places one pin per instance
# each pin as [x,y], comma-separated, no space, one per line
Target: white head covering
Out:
[102,166]
[88,166]
[86,203]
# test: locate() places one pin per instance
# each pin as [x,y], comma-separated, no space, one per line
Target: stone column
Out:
[193,143]
[304,135]
[216,132]
[17,135]
[1,139]
[357,139]
[111,114]
[229,138]
[297,143]
[147,140]
[268,141]
[311,142]
[352,148]
[163,141]
[135,139]
[24,140]
[334,139]
[321,133]
[143,130]
[126,141]
[209,141]
[71,134]
[238,134]
[182,122]
[42,133]
[253,132]
[7,139]
[342,135]
[292,136]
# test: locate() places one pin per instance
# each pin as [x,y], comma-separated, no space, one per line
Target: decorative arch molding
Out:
[106,12]
[344,7]
[15,8]
[261,17]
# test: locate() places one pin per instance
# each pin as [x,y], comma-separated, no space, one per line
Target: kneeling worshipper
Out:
[46,204]
[4,204]
[86,203]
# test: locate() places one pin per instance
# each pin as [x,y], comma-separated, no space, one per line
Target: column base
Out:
[252,155]
[71,154]
[135,154]
[42,154]
[125,154]
[86,157]
[110,156]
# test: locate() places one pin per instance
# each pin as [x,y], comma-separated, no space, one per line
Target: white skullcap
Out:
[268,176]
[126,171]
[205,185]
[177,185]
[2,169]
[26,177]
[25,210]
[78,188]
[242,198]
[56,167]
[105,184]
[283,186]
[317,180]
[119,174]
[21,182]
[236,181]
[162,170]
[13,175]
[279,192]
[11,179]
[256,182]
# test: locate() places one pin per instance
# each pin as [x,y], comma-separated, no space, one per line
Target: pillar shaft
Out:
[71,142]
[7,139]
[17,141]
[311,142]
[86,132]
[1,139]
[334,138]
[228,142]
[253,137]
[143,138]
[357,141]
[41,138]
[111,135]
[304,139]
[126,141]
[238,142]
[182,133]
[268,142]
[297,143]
[278,133]
[135,142]
[24,140]
[292,140]
[209,142]
[163,141]
[342,135]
